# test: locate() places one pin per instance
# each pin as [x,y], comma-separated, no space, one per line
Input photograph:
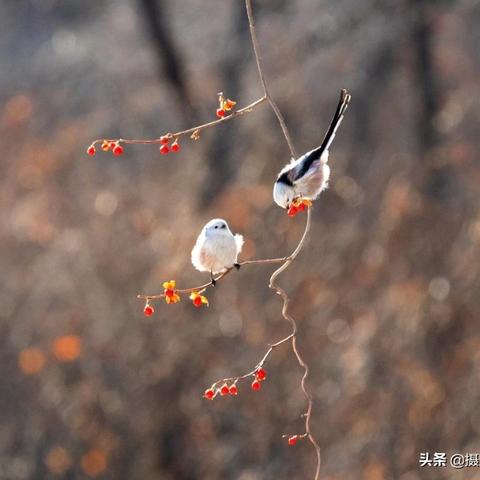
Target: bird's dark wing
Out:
[305,162]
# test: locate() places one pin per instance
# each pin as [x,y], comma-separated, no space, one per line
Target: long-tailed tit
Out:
[307,176]
[217,248]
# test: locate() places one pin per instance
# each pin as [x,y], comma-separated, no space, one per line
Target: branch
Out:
[273,285]
[258,58]
[286,301]
[194,131]
[211,283]
[171,292]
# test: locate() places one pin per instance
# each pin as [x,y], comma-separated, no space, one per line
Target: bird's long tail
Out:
[315,154]
[343,102]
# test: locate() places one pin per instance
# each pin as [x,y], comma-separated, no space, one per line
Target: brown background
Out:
[386,292]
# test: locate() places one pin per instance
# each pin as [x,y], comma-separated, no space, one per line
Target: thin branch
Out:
[194,131]
[252,373]
[286,301]
[273,285]
[258,58]
[211,283]
[285,261]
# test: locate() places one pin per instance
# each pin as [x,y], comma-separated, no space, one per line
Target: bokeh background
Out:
[385,293]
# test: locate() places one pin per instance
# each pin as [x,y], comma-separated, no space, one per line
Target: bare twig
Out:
[258,58]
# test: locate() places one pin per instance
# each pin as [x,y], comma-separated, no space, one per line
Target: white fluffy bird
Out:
[217,248]
[307,176]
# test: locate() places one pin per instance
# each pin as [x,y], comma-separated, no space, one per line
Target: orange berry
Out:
[229,104]
[106,146]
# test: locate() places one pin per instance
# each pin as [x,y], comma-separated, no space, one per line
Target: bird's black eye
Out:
[216,226]
[223,226]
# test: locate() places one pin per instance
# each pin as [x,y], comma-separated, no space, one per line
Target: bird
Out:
[216,248]
[307,176]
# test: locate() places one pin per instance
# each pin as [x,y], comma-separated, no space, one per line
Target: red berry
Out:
[209,394]
[292,440]
[224,390]
[164,149]
[292,211]
[261,374]
[233,390]
[91,150]
[164,140]
[175,146]
[301,207]
[169,292]
[148,310]
[117,150]
[256,385]
[220,112]
[197,301]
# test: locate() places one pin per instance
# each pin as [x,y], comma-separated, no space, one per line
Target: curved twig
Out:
[258,59]
[286,301]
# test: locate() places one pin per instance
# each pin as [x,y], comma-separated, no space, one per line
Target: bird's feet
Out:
[237,266]
[212,279]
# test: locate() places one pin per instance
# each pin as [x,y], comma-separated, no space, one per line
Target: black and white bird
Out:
[307,176]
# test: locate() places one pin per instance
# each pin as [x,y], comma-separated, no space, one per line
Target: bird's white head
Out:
[217,226]
[283,194]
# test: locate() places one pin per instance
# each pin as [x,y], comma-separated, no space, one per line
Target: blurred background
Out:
[385,293]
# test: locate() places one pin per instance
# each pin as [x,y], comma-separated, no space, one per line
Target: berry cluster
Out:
[166,147]
[260,375]
[115,147]
[171,295]
[298,205]
[211,392]
[225,105]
